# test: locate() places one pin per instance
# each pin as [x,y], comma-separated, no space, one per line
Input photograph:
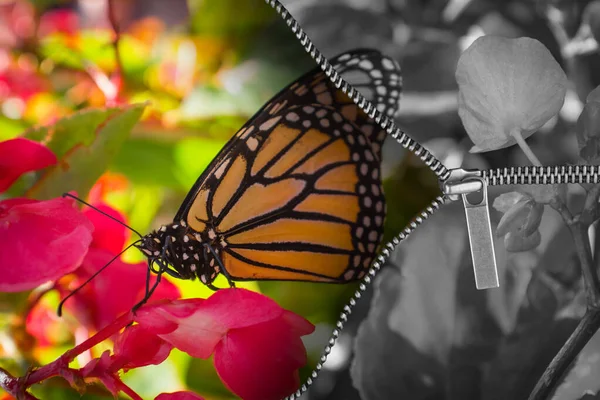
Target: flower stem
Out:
[516,133]
[55,367]
[590,323]
[12,386]
[588,268]
[553,375]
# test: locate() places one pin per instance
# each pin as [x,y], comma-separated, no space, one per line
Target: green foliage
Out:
[94,139]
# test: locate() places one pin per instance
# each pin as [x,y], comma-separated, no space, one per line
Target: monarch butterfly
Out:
[296,194]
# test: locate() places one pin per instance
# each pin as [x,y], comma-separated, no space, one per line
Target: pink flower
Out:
[18,156]
[256,344]
[40,241]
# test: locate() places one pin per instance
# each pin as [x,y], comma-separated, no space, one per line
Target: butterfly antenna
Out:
[102,212]
[95,274]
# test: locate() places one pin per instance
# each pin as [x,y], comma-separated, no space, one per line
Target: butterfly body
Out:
[295,195]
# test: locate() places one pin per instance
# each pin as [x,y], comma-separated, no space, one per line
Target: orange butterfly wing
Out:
[296,194]
[302,200]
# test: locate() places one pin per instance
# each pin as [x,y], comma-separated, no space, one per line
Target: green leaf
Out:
[76,129]
[95,139]
[508,88]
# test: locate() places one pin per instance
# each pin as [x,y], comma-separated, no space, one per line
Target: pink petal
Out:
[114,291]
[40,241]
[101,368]
[237,308]
[108,234]
[18,156]
[136,347]
[179,396]
[202,324]
[185,324]
[261,362]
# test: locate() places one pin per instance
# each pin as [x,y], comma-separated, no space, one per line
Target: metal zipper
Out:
[462,183]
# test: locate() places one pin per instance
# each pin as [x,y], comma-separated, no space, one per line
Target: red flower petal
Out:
[101,368]
[261,362]
[246,353]
[114,291]
[179,396]
[40,241]
[18,156]
[136,347]
[226,309]
[108,234]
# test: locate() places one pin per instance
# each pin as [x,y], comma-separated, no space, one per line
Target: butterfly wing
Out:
[299,199]
[376,76]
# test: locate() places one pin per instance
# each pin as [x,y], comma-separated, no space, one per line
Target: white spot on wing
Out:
[219,172]
[268,124]
[252,143]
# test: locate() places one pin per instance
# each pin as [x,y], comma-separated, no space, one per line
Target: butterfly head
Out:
[176,250]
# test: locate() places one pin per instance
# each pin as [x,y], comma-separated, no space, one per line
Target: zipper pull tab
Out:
[465,182]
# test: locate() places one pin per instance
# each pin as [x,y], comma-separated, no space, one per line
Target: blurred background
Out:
[205,67]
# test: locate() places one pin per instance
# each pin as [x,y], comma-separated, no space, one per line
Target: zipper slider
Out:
[464,182]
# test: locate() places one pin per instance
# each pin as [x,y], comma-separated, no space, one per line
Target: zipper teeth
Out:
[364,284]
[390,127]
[533,175]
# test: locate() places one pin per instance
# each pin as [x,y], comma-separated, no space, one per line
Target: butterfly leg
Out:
[221,266]
[149,290]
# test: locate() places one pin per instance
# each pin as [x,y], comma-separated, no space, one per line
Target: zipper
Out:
[463,182]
